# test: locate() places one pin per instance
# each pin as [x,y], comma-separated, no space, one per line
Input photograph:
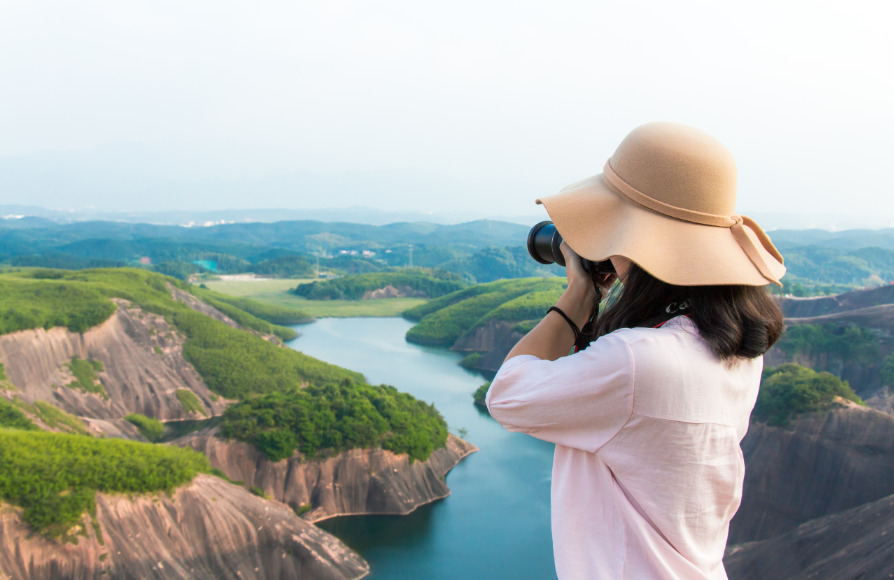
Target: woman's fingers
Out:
[574,268]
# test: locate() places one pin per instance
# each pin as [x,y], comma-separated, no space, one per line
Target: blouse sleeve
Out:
[579,401]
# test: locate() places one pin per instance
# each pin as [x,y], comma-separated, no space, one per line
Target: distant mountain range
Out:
[356,214]
[360,214]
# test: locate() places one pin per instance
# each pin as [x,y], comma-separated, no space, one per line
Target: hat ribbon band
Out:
[735,223]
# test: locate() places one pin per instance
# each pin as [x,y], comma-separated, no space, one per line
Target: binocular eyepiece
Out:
[543,245]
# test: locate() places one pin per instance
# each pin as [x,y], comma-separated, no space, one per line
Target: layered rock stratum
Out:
[856,543]
[822,463]
[206,530]
[495,339]
[354,482]
[143,367]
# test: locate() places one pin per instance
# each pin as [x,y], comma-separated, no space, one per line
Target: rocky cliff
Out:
[359,481]
[821,464]
[495,339]
[143,367]
[391,291]
[858,543]
[824,305]
[206,530]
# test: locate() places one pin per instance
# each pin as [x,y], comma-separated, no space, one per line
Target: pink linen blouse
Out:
[648,470]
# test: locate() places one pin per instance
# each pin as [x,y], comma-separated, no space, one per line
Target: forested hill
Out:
[82,352]
[479,251]
[818,261]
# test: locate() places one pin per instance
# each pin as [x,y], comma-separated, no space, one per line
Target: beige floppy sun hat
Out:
[666,200]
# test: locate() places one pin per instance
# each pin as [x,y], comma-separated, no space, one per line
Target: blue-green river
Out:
[495,523]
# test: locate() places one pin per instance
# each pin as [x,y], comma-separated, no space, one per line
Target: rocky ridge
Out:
[143,368]
[355,482]
[206,530]
[856,543]
[495,339]
[391,291]
[821,464]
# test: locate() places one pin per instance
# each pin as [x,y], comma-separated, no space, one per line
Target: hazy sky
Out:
[508,99]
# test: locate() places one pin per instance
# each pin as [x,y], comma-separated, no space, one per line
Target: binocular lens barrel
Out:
[544,243]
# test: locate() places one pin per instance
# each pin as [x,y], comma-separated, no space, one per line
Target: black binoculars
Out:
[543,245]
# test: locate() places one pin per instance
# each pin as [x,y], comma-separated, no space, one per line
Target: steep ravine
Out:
[143,369]
[359,481]
[206,530]
[821,464]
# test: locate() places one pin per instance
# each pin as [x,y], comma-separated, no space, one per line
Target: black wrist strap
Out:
[570,322]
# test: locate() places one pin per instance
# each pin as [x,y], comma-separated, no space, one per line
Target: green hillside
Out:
[288,400]
[336,417]
[78,300]
[55,477]
[431,283]
[444,320]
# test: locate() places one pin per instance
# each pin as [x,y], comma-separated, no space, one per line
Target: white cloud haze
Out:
[495,102]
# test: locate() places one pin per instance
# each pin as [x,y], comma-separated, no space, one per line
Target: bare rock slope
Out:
[206,530]
[848,301]
[857,543]
[143,367]
[359,481]
[821,464]
[495,339]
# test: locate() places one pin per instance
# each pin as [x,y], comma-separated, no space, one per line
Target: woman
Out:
[647,420]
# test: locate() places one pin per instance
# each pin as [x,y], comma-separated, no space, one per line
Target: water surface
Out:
[495,524]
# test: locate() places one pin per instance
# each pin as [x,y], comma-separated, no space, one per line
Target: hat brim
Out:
[599,223]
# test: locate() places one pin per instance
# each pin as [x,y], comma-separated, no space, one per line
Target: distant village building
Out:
[146,260]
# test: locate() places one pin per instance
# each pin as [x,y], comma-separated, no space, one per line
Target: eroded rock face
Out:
[199,306]
[824,305]
[206,530]
[484,338]
[359,481]
[821,464]
[143,365]
[391,291]
[494,339]
[858,543]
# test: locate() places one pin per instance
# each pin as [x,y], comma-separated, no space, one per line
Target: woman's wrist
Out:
[578,302]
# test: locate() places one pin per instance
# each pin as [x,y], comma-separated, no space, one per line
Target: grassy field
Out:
[275,292]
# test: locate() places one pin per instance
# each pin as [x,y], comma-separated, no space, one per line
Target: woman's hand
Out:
[580,298]
[553,337]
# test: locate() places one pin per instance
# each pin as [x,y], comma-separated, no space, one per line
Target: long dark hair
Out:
[735,320]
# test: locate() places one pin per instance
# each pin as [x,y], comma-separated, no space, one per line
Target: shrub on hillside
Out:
[789,390]
[430,283]
[179,270]
[849,343]
[275,315]
[284,267]
[12,417]
[84,372]
[47,302]
[55,477]
[481,394]
[335,417]
[465,310]
[151,429]
[190,402]
[236,364]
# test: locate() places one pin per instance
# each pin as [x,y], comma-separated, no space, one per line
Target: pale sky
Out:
[508,99]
